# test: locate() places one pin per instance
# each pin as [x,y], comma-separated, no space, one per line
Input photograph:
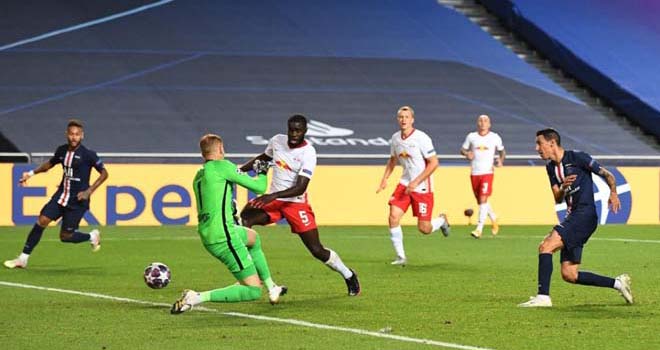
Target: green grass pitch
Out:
[455,290]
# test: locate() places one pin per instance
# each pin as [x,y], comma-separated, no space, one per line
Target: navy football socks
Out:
[33,239]
[592,279]
[545,272]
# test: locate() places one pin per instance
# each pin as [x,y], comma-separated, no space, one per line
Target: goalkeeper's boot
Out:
[275,293]
[95,240]
[353,285]
[185,302]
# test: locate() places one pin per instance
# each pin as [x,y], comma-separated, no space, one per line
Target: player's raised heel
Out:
[495,229]
[275,293]
[95,240]
[15,264]
[476,234]
[626,287]
[184,303]
[353,285]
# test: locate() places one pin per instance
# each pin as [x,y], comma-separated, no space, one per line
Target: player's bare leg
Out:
[254,216]
[429,226]
[331,259]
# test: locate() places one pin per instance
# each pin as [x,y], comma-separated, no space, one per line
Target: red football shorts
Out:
[422,203]
[482,185]
[299,215]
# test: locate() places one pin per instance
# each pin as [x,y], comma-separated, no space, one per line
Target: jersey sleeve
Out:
[499,146]
[269,148]
[257,184]
[95,161]
[392,148]
[426,146]
[551,175]
[308,164]
[585,161]
[55,159]
[466,143]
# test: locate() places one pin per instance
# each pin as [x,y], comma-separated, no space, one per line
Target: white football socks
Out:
[396,235]
[335,263]
[483,213]
[437,223]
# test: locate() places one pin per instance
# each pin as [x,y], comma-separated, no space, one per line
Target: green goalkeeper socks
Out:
[231,294]
[259,260]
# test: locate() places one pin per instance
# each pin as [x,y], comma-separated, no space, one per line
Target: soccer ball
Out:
[157,275]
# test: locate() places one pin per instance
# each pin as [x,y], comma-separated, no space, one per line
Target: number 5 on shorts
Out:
[303,217]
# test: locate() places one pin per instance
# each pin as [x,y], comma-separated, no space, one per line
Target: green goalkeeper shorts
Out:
[234,254]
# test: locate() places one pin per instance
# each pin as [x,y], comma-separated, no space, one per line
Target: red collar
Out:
[405,137]
[302,144]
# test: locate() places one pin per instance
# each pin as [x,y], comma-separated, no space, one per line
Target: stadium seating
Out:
[610,46]
[154,81]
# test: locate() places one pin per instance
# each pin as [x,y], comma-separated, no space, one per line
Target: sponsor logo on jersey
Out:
[283,165]
[404,154]
[322,134]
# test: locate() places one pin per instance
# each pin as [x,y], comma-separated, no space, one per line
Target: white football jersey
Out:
[411,152]
[483,148]
[289,164]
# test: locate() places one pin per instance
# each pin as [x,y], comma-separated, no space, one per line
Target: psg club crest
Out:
[601,195]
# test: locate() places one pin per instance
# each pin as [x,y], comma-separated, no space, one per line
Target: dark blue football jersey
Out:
[580,195]
[77,166]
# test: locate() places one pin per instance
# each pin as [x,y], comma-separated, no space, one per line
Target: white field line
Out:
[256,317]
[83,25]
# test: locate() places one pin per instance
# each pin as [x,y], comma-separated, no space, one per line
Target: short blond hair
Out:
[208,144]
[404,109]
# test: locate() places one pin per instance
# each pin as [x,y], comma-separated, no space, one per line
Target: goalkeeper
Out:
[239,248]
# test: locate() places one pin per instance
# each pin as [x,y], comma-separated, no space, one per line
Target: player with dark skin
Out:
[252,213]
[296,161]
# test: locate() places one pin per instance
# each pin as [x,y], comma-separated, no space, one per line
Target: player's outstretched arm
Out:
[248,166]
[389,167]
[613,201]
[257,184]
[296,190]
[42,168]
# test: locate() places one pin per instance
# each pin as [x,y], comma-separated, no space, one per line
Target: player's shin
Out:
[335,263]
[260,263]
[544,273]
[483,213]
[396,236]
[592,279]
[231,294]
[33,239]
[76,237]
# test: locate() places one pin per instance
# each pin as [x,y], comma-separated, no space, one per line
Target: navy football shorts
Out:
[71,216]
[575,231]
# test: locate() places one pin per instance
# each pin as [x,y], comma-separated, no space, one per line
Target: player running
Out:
[294,163]
[222,238]
[480,147]
[413,149]
[71,200]
[570,180]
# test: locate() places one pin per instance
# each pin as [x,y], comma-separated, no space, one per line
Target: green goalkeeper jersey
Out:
[213,187]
